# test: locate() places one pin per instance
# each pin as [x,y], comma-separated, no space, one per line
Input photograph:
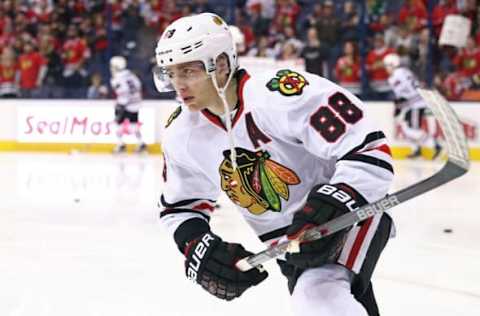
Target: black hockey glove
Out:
[325,202]
[211,263]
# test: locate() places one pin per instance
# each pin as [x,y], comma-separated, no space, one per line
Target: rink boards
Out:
[87,125]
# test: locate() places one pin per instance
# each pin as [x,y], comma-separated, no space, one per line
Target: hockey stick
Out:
[457,164]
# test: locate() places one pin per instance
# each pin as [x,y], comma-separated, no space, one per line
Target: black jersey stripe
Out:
[374,136]
[181,203]
[370,160]
[273,234]
[170,211]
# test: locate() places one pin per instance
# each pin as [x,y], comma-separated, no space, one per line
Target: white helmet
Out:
[117,64]
[201,37]
[391,61]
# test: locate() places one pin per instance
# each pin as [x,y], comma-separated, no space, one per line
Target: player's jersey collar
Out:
[242,77]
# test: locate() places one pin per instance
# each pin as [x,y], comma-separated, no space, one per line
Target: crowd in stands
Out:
[61,48]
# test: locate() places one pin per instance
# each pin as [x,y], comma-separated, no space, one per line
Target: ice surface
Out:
[79,235]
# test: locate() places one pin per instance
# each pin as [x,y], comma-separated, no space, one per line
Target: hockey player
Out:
[290,149]
[409,105]
[128,91]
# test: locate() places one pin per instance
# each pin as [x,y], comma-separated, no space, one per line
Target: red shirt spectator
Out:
[32,64]
[8,73]
[75,49]
[454,85]
[286,14]
[413,14]
[347,68]
[117,11]
[374,61]
[168,14]
[468,59]
[100,42]
[43,11]
[6,39]
[5,22]
[440,12]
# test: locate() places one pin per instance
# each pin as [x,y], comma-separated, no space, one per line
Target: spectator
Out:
[453,85]
[9,74]
[288,36]
[42,10]
[266,8]
[286,14]
[97,90]
[314,16]
[413,15]
[314,53]
[260,24]
[7,37]
[100,46]
[349,24]
[170,13]
[200,6]
[75,55]
[440,12]
[32,71]
[467,60]
[261,49]
[116,25]
[53,78]
[421,57]
[288,52]
[5,22]
[376,11]
[328,30]
[404,43]
[347,69]
[246,29]
[132,23]
[377,73]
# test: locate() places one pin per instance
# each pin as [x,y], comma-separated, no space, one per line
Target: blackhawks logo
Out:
[258,183]
[287,82]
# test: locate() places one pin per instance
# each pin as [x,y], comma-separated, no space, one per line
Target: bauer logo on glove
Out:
[325,202]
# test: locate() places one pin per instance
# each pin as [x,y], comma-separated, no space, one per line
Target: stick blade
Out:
[456,142]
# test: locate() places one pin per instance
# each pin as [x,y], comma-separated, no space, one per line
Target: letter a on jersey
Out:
[259,183]
[288,83]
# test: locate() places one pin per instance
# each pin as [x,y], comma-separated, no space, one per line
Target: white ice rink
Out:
[79,236]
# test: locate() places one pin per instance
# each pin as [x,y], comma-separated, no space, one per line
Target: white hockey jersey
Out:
[404,85]
[292,131]
[128,89]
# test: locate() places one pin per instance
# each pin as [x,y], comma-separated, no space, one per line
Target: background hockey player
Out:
[410,109]
[128,91]
[290,149]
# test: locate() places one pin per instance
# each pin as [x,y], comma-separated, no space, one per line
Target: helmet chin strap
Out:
[222,94]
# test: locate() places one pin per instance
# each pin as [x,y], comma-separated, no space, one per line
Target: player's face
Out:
[192,84]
